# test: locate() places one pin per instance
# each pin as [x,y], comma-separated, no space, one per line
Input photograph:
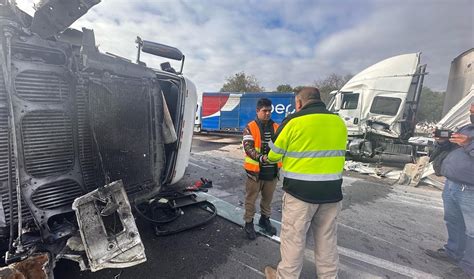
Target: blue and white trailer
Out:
[230,112]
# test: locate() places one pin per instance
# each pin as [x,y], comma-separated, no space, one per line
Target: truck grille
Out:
[3,144]
[47,143]
[56,194]
[86,157]
[46,110]
[41,87]
[4,161]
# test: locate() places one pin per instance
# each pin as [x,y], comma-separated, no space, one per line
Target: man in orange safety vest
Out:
[261,177]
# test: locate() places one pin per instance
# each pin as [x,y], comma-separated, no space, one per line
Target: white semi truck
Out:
[379,106]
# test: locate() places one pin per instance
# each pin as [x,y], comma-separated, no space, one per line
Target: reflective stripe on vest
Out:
[311,152]
[308,154]
[249,163]
[312,177]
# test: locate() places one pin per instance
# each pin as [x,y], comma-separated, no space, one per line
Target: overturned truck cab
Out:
[80,126]
[379,106]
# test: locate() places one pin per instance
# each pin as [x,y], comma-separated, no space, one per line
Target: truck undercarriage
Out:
[72,120]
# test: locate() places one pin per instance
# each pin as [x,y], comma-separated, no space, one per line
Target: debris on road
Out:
[34,267]
[366,168]
[191,211]
[422,171]
[412,174]
[201,185]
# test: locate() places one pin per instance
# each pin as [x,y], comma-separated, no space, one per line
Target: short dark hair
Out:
[264,102]
[309,94]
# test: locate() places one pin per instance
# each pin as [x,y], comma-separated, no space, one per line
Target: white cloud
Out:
[441,30]
[286,42]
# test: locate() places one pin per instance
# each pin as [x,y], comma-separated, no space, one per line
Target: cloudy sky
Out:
[285,42]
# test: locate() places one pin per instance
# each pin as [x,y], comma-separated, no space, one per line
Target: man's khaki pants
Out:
[252,188]
[298,217]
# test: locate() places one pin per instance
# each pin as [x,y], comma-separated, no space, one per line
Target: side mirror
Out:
[160,50]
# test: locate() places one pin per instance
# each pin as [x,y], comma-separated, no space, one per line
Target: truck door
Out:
[350,112]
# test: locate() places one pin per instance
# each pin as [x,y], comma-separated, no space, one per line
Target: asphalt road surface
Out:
[383,229]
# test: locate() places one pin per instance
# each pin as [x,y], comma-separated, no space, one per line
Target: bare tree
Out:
[331,83]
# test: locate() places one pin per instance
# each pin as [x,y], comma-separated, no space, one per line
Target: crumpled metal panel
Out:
[108,230]
[54,16]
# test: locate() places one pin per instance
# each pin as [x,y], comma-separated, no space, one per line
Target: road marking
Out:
[207,162]
[248,266]
[371,236]
[378,262]
[427,200]
[393,198]
[241,262]
[400,269]
[388,265]
[196,165]
[234,213]
[233,161]
[309,255]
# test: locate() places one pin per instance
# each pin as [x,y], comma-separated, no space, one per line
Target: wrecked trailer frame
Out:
[459,92]
[73,119]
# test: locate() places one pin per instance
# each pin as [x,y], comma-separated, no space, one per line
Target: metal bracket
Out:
[108,230]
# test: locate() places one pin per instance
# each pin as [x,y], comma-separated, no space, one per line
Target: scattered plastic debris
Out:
[366,168]
[412,174]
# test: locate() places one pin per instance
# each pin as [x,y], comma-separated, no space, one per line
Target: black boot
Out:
[266,225]
[250,230]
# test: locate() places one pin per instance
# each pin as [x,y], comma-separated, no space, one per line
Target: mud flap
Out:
[107,227]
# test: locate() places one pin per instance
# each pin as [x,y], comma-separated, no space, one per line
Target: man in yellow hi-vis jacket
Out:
[311,144]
